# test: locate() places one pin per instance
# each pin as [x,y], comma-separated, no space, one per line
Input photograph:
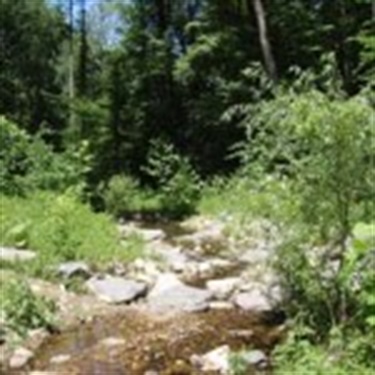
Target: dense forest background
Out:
[121,74]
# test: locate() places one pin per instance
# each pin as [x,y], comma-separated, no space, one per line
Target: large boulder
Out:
[171,295]
[116,290]
[254,300]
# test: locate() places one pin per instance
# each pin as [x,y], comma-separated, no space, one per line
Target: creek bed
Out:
[163,345]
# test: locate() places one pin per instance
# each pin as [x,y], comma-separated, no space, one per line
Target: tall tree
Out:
[71,69]
[83,55]
[264,38]
[31,36]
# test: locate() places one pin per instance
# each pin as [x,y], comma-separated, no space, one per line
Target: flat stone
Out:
[255,358]
[152,234]
[20,358]
[172,257]
[245,334]
[221,305]
[113,341]
[116,290]
[58,359]
[253,300]
[10,254]
[170,295]
[223,288]
[71,269]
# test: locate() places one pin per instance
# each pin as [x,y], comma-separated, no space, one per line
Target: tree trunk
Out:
[264,39]
[71,83]
[83,51]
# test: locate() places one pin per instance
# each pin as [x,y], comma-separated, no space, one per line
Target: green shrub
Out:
[120,195]
[326,148]
[62,228]
[246,199]
[53,171]
[178,184]
[299,356]
[28,163]
[13,156]
[22,310]
[323,293]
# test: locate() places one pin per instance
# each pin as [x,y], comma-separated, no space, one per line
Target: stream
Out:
[138,341]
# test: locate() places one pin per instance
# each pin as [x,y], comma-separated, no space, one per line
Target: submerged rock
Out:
[170,295]
[116,289]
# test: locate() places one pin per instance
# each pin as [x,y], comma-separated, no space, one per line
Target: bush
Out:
[178,184]
[324,146]
[323,292]
[61,228]
[22,310]
[13,156]
[120,195]
[299,356]
[28,163]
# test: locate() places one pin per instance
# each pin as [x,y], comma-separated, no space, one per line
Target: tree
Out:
[31,35]
[264,39]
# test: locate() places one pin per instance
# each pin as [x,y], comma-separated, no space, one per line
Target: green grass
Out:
[307,359]
[61,228]
[245,200]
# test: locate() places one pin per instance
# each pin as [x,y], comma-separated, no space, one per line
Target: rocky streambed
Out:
[193,305]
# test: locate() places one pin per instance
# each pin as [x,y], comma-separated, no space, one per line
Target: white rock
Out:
[58,359]
[20,358]
[116,289]
[150,235]
[223,288]
[255,358]
[221,305]
[113,341]
[170,294]
[10,254]
[253,300]
[216,360]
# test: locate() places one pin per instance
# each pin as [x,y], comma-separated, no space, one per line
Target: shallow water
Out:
[165,346]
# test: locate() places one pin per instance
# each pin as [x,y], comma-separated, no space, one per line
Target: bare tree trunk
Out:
[71,83]
[264,40]
[83,51]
